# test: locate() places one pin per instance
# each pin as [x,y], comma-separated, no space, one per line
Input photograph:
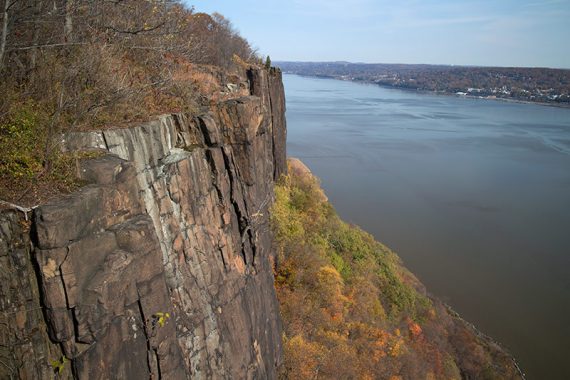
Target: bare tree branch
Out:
[136,31]
[47,46]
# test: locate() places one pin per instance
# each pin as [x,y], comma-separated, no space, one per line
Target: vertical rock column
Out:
[26,351]
[102,279]
[268,85]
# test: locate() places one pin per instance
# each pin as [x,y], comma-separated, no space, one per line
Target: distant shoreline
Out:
[417,90]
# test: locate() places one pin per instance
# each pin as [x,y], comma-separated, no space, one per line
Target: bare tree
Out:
[68,28]
[4,35]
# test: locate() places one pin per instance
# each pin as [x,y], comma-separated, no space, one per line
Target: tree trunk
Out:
[4,35]
[68,27]
[36,36]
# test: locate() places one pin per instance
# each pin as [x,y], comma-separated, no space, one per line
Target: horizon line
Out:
[429,64]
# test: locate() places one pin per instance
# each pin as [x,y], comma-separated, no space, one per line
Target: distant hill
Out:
[540,85]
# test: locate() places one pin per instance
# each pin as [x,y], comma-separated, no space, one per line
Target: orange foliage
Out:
[414,329]
[350,310]
[302,358]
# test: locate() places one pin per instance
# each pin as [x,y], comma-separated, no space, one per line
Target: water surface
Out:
[474,195]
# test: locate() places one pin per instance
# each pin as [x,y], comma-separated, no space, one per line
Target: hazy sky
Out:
[465,32]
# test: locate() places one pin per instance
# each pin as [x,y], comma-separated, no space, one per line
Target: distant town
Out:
[537,85]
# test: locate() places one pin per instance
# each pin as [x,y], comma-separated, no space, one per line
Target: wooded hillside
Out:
[352,311]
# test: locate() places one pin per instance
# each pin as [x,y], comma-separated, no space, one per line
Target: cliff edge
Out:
[161,266]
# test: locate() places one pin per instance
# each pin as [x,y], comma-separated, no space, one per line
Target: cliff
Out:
[160,267]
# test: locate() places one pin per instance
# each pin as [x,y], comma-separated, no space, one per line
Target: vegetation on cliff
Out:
[68,65]
[351,310]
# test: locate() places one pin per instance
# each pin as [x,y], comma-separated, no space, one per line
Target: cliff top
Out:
[70,66]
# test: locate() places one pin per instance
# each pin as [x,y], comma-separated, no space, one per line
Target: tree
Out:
[4,34]
[268,63]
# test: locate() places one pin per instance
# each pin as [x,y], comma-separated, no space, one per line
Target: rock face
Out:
[25,348]
[161,267]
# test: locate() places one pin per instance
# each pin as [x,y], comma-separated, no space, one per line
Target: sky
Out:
[456,32]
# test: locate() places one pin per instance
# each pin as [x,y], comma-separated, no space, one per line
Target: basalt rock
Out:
[25,348]
[161,266]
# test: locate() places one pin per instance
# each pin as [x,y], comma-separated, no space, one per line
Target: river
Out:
[474,195]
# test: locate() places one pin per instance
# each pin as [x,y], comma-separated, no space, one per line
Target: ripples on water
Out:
[473,194]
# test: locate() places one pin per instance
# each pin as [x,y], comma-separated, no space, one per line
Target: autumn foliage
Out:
[352,311]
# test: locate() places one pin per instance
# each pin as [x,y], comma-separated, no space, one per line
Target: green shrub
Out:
[21,138]
[340,265]
[30,157]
